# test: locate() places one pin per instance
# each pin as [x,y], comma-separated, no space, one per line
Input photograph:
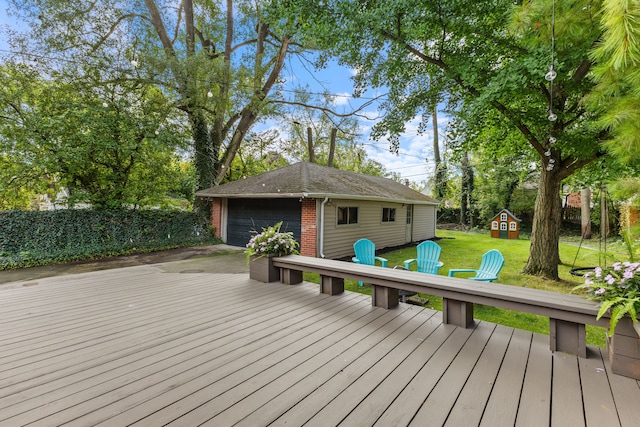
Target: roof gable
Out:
[310,180]
[509,213]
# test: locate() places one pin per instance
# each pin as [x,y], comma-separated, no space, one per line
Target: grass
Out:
[465,249]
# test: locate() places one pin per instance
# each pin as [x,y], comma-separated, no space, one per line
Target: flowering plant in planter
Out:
[617,288]
[271,241]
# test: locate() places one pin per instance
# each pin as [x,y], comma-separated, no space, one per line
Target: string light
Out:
[550,77]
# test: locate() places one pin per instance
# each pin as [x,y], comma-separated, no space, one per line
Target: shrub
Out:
[30,238]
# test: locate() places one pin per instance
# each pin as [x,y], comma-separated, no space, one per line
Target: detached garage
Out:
[327,209]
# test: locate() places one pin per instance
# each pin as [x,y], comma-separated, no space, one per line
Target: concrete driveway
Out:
[199,259]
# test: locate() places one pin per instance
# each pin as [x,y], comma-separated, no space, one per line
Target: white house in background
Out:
[327,209]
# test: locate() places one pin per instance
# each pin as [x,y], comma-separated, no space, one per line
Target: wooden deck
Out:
[146,347]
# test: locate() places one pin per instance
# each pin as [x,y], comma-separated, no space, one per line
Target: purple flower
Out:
[617,266]
[598,272]
[588,282]
[628,274]
[600,291]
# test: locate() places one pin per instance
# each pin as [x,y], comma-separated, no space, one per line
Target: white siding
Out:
[424,222]
[339,239]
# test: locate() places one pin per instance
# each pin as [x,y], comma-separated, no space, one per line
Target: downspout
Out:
[326,199]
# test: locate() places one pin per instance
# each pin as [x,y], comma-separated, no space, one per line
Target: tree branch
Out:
[177,31]
[244,43]
[582,70]
[330,111]
[114,26]
[158,24]
[249,113]
[472,90]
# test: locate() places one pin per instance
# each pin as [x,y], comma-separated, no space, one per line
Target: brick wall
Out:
[308,228]
[216,215]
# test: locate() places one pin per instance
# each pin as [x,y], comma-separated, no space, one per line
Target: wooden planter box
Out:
[262,269]
[624,349]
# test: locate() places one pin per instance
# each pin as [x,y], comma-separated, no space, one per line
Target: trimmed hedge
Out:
[29,238]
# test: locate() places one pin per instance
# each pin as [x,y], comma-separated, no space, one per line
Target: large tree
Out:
[111,144]
[218,60]
[487,55]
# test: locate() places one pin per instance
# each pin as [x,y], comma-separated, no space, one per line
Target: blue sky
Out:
[414,148]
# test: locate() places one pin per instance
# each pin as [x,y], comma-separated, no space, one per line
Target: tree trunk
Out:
[585,212]
[544,254]
[466,204]
[312,154]
[440,175]
[332,146]
[204,163]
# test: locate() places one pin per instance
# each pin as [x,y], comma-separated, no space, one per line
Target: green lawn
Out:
[465,249]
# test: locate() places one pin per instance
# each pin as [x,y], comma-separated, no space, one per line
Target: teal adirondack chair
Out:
[490,266]
[365,251]
[428,258]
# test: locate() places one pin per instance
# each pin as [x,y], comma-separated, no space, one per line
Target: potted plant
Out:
[617,288]
[263,247]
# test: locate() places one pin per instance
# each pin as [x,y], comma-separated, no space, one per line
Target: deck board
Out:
[143,346]
[472,400]
[502,406]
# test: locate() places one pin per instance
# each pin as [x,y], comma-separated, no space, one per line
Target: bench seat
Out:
[568,314]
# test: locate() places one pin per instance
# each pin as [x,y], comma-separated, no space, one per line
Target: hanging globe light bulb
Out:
[552,117]
[552,140]
[210,94]
[547,153]
[551,75]
[552,161]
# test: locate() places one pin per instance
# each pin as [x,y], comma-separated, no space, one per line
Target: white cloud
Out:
[343,98]
[415,158]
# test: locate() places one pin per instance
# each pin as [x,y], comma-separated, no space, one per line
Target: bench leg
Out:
[568,337]
[458,313]
[331,285]
[290,277]
[384,297]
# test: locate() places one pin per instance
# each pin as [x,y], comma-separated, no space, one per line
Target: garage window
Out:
[388,214]
[347,215]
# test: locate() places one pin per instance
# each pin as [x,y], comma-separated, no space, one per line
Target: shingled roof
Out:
[310,180]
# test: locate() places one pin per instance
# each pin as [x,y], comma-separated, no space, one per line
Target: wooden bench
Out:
[568,314]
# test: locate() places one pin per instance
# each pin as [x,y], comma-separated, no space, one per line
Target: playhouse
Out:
[505,225]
